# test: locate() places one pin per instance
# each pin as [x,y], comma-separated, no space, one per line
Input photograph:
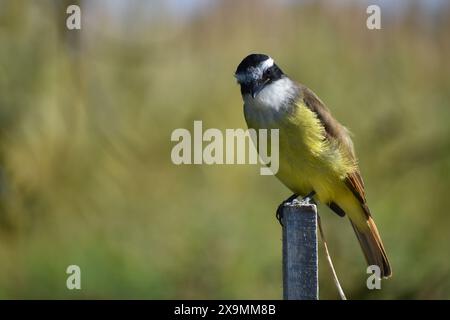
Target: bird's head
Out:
[256,72]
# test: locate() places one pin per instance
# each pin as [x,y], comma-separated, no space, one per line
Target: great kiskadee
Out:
[316,152]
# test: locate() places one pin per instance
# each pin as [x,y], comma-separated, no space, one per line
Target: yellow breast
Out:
[308,159]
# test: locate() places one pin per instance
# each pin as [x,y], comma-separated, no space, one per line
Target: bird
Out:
[317,159]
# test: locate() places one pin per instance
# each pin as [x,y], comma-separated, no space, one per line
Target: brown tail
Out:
[372,247]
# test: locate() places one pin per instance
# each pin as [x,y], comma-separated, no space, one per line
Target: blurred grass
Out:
[85,170]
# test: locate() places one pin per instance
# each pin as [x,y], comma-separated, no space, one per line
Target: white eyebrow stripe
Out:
[266,64]
[254,73]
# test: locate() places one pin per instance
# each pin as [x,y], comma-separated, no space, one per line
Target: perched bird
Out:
[316,154]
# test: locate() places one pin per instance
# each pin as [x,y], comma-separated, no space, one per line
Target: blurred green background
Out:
[86,116]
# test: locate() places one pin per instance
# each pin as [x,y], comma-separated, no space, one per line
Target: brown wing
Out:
[356,185]
[334,130]
[369,238]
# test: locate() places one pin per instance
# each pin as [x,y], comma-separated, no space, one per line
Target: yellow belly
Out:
[308,161]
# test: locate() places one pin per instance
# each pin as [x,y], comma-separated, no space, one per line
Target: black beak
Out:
[257,87]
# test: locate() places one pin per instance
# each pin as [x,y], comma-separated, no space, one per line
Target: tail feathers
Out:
[372,247]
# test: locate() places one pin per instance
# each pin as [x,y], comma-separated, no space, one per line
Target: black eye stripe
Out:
[273,73]
[270,72]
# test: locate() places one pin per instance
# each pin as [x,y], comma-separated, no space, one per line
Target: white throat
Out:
[274,96]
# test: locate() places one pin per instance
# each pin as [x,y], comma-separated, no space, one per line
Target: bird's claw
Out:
[305,200]
[308,201]
[279,214]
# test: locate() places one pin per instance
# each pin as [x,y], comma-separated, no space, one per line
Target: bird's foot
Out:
[291,200]
[309,198]
[279,214]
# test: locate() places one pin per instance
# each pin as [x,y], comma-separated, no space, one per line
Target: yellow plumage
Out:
[308,161]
